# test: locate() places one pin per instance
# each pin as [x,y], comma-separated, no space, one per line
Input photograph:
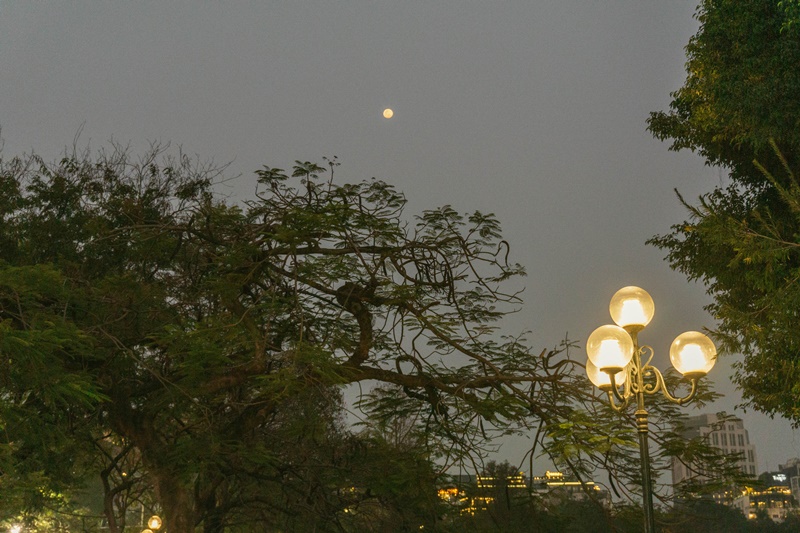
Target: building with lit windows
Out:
[792,472]
[515,481]
[549,487]
[773,497]
[727,434]
[485,489]
[557,485]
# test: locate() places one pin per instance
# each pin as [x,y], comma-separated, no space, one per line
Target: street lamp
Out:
[615,367]
[153,524]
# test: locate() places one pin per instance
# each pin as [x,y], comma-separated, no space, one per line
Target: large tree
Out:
[739,109]
[146,320]
[180,349]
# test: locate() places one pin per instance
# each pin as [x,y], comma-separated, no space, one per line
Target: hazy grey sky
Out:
[534,110]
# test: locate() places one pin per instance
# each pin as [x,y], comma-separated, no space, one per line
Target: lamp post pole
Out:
[644,444]
[615,366]
[647,484]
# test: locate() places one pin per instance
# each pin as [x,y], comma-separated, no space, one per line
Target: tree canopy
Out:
[161,334]
[739,109]
[174,350]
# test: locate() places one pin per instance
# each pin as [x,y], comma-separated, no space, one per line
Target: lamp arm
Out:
[645,350]
[660,385]
[613,403]
[686,399]
[653,387]
[624,398]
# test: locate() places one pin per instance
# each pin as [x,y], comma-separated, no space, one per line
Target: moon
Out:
[388,113]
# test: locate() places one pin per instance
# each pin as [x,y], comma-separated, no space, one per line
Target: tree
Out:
[738,108]
[141,312]
[740,89]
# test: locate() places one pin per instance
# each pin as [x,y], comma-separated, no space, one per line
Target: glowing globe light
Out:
[602,380]
[693,354]
[633,312]
[609,348]
[388,113]
[632,307]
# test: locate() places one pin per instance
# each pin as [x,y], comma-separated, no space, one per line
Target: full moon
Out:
[388,113]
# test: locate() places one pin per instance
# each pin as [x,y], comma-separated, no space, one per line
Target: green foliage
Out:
[583,516]
[180,352]
[740,89]
[171,344]
[792,10]
[738,108]
[746,250]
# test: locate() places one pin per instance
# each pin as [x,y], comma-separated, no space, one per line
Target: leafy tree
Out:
[740,89]
[180,349]
[705,515]
[141,313]
[739,110]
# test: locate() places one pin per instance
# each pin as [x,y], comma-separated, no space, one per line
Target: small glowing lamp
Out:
[147,531]
[693,354]
[609,348]
[154,522]
[632,307]
[388,113]
[602,380]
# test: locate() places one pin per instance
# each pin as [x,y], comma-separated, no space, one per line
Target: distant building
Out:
[551,486]
[557,485]
[792,472]
[727,434]
[513,481]
[773,497]
[482,490]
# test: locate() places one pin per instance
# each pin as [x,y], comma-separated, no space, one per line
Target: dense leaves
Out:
[177,344]
[165,348]
[739,109]
[740,89]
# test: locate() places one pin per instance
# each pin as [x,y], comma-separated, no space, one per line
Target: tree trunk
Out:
[213,521]
[176,502]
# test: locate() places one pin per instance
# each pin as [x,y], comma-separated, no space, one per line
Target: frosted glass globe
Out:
[609,348]
[602,380]
[693,354]
[632,306]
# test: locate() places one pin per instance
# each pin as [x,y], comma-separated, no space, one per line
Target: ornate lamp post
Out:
[615,366]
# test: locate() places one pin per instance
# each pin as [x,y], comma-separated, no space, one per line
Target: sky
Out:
[533,110]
